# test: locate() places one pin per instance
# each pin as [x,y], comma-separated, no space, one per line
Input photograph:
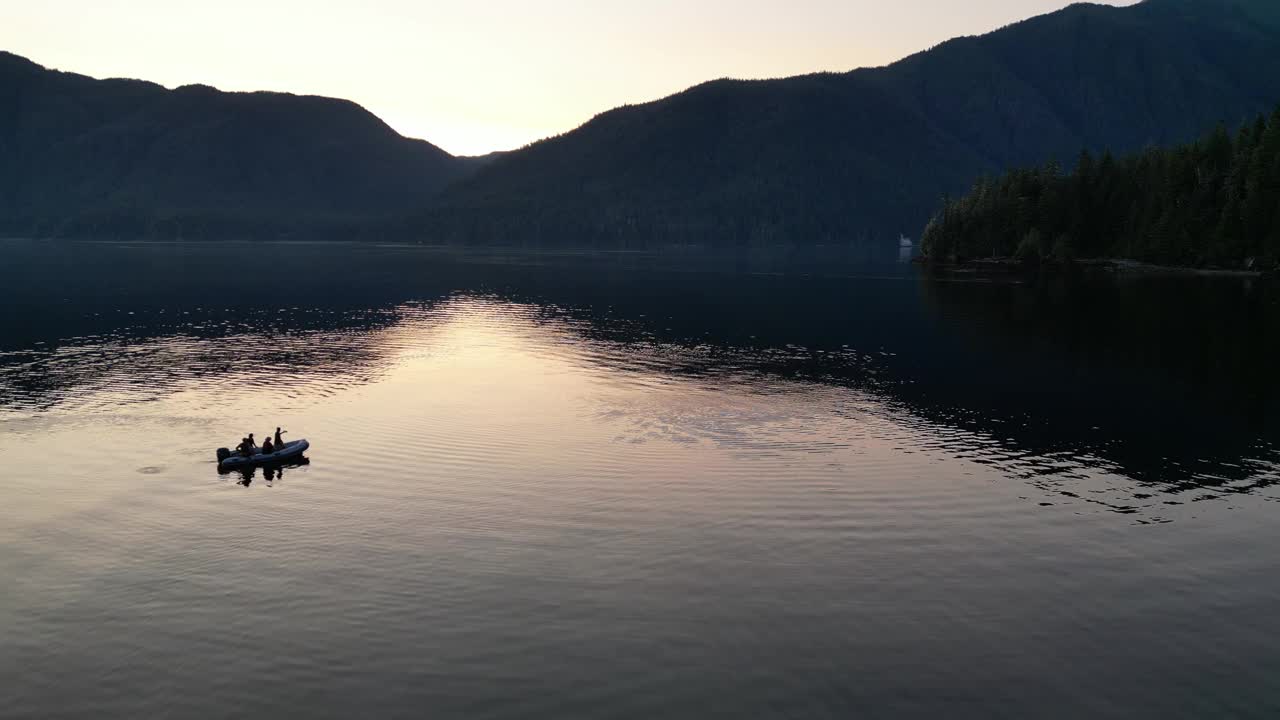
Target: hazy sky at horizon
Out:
[474,77]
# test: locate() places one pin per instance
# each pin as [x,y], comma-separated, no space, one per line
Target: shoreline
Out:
[1116,265]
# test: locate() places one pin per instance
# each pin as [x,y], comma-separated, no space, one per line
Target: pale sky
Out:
[478,76]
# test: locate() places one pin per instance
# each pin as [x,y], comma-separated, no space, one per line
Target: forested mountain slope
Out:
[826,158]
[1215,202]
[126,156]
[835,157]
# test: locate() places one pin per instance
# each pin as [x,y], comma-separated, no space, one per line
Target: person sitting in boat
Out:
[280,440]
[245,447]
[267,448]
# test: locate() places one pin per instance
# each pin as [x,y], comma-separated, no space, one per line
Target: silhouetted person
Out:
[279,440]
[245,447]
[267,447]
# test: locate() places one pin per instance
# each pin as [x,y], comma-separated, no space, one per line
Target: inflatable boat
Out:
[228,460]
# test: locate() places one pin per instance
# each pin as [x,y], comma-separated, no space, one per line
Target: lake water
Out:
[631,486]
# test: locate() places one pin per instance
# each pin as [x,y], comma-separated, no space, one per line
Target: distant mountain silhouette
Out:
[86,156]
[835,157]
[826,158]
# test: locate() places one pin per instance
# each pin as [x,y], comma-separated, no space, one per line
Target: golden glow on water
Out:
[470,380]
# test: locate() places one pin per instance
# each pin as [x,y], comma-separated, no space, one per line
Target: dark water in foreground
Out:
[631,487]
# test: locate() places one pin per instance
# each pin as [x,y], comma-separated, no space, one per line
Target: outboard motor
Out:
[223,454]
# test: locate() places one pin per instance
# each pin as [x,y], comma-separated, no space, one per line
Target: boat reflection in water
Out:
[271,472]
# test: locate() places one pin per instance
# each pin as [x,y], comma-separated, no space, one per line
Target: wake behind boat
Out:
[228,459]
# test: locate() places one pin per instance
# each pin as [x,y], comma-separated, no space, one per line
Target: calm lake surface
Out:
[630,486]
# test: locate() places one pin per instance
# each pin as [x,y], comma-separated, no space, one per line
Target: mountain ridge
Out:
[809,159]
[836,156]
[120,155]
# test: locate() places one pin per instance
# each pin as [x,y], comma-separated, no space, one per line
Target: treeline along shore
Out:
[1214,203]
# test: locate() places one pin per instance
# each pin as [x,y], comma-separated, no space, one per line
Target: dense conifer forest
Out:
[1212,203]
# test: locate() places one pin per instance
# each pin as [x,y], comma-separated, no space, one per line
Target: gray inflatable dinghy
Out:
[289,451]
